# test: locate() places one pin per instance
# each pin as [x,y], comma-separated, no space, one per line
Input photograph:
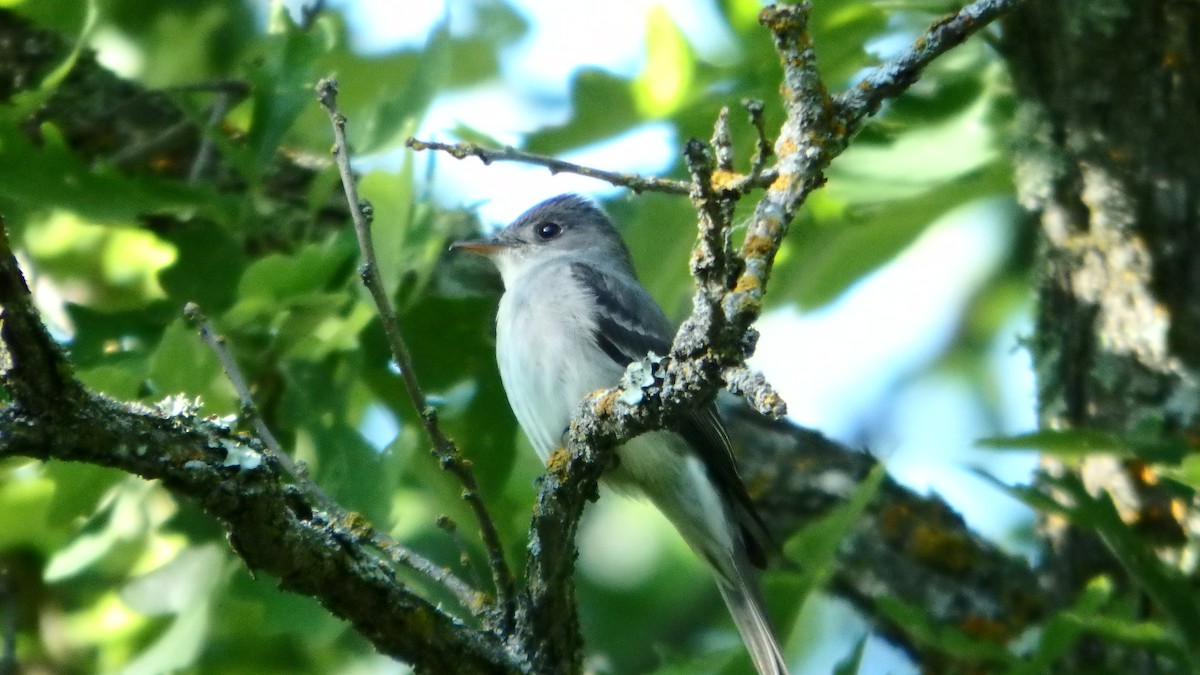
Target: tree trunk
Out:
[1106,159]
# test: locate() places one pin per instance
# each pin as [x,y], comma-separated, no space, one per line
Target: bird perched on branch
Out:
[572,318]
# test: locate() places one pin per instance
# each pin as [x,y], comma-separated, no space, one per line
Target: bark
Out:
[1106,160]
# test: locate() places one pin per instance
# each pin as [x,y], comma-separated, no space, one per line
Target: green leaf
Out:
[318,325]
[120,381]
[117,339]
[603,107]
[115,532]
[35,179]
[841,32]
[451,341]
[827,256]
[210,261]
[1074,443]
[853,661]
[282,88]
[1061,633]
[26,102]
[313,269]
[398,249]
[666,77]
[396,117]
[25,505]
[183,364]
[815,547]
[323,402]
[1099,514]
[78,489]
[183,588]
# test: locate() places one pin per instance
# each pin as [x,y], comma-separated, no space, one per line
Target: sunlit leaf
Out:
[602,107]
[182,588]
[283,84]
[667,74]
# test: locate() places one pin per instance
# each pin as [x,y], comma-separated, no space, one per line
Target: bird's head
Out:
[566,225]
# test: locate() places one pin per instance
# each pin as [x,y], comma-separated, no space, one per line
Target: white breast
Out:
[549,361]
[548,358]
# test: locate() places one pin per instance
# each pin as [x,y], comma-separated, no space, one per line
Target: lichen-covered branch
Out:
[715,338]
[273,522]
[907,547]
[896,75]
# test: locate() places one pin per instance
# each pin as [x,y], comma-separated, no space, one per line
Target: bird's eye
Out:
[548,231]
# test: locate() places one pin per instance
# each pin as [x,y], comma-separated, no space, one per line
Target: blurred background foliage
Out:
[112,574]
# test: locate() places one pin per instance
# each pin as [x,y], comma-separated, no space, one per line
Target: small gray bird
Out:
[572,317]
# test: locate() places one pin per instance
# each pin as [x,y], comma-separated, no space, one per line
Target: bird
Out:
[572,317]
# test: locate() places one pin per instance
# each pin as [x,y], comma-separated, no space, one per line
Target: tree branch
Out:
[908,548]
[444,449]
[467,596]
[633,181]
[274,524]
[717,336]
[898,74]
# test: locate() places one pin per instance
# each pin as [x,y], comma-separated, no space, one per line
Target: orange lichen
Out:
[781,183]
[1179,508]
[479,601]
[604,399]
[357,523]
[756,246]
[558,460]
[1145,473]
[985,628]
[784,147]
[894,521]
[725,180]
[942,548]
[747,282]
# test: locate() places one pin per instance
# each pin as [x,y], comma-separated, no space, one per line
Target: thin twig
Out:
[759,393]
[894,77]
[204,153]
[632,181]
[466,595]
[238,89]
[247,410]
[711,255]
[159,142]
[722,143]
[446,452]
[450,527]
[762,146]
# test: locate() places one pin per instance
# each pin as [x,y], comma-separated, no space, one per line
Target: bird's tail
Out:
[742,596]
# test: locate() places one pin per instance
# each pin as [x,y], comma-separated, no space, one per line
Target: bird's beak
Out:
[484,247]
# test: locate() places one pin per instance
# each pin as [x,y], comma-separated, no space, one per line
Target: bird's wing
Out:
[629,325]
